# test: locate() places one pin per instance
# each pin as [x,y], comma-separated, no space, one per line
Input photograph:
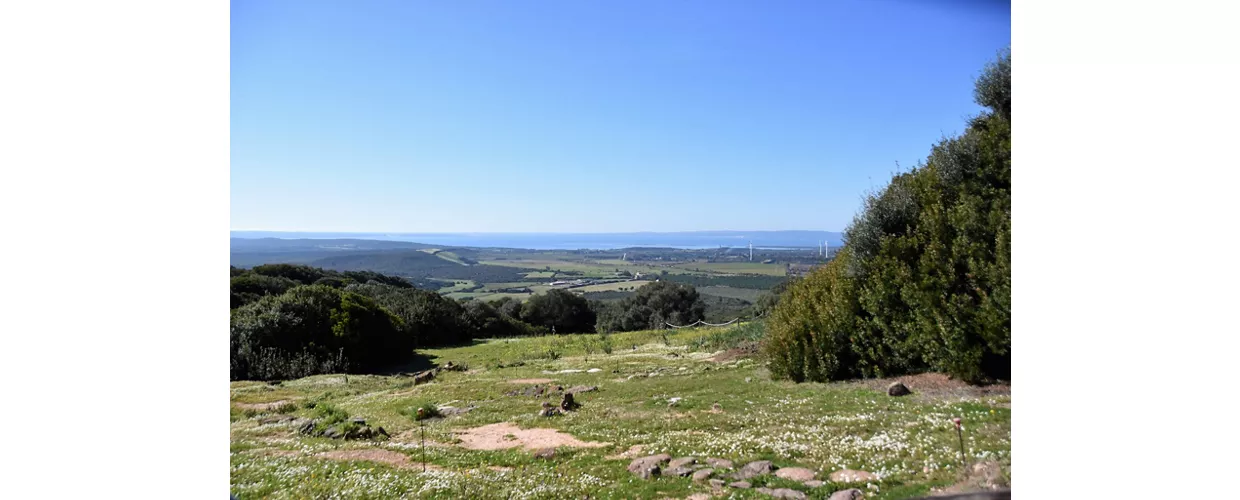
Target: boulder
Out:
[567,403]
[306,426]
[740,484]
[333,432]
[682,462]
[719,463]
[545,453]
[898,389]
[702,475]
[678,471]
[754,469]
[452,367]
[788,493]
[717,483]
[851,476]
[424,377]
[849,494]
[580,389]
[795,473]
[647,467]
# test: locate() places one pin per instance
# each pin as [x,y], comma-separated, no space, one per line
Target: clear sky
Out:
[575,116]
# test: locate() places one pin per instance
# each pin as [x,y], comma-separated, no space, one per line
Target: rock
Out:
[333,432]
[358,420]
[850,494]
[545,453]
[424,377]
[678,471]
[814,484]
[753,469]
[740,484]
[307,426]
[549,412]
[851,476]
[673,401]
[702,475]
[717,483]
[765,491]
[788,493]
[452,367]
[567,403]
[381,432]
[641,466]
[682,462]
[719,463]
[795,473]
[898,389]
[650,472]
[580,389]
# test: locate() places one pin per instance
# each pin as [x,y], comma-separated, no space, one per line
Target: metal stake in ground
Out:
[422,427]
[960,434]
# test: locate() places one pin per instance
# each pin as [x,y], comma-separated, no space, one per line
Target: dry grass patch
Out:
[506,435]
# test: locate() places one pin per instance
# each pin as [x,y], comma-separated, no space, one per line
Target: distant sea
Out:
[577,241]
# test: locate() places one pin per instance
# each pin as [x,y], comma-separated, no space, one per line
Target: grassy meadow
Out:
[908,443]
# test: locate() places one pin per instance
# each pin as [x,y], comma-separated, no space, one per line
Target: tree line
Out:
[923,281]
[290,321]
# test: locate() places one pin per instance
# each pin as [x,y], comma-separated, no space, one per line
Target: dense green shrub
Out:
[428,318]
[559,309]
[314,329]
[650,307]
[924,279]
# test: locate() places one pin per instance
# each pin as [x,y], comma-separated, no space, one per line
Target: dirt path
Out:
[506,435]
[530,381]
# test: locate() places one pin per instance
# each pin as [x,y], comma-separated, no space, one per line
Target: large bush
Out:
[924,279]
[314,329]
[428,318]
[653,305]
[559,309]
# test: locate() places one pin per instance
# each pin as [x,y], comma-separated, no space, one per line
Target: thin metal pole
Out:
[960,434]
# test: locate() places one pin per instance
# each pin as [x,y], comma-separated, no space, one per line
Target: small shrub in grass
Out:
[429,410]
[250,413]
[329,414]
[286,407]
[605,343]
[553,354]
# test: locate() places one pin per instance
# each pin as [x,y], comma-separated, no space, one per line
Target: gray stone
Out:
[545,453]
[740,484]
[682,462]
[381,432]
[719,463]
[678,471]
[333,432]
[850,494]
[642,466]
[307,427]
[754,469]
[702,475]
[795,473]
[717,483]
[898,389]
[788,493]
[765,491]
[581,389]
[358,420]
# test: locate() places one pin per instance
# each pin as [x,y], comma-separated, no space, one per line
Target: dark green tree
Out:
[562,310]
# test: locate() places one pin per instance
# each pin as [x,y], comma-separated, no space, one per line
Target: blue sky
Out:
[571,116]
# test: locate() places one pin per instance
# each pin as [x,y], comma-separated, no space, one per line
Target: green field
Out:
[454,285]
[736,268]
[608,287]
[540,274]
[748,294]
[907,443]
[445,255]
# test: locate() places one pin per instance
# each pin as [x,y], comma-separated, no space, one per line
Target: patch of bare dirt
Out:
[262,406]
[633,452]
[982,476]
[506,435]
[377,455]
[939,386]
[498,468]
[530,381]
[746,350]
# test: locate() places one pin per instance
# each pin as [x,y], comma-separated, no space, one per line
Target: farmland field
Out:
[654,396]
[736,268]
[747,294]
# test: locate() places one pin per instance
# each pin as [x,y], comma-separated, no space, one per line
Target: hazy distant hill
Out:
[242,245]
[572,241]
